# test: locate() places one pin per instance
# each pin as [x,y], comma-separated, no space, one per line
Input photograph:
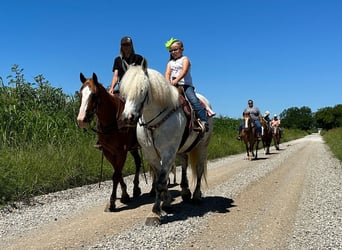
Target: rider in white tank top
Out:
[176,68]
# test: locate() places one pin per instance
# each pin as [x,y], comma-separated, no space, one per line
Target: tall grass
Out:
[333,138]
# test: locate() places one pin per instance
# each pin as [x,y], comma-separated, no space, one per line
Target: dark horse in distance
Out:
[266,136]
[116,140]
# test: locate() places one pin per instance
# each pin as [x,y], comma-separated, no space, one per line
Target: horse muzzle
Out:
[130,120]
[83,120]
[82,124]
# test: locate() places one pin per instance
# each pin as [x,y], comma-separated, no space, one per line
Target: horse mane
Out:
[136,80]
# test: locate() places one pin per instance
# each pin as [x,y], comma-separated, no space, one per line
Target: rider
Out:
[267,117]
[178,72]
[256,117]
[127,55]
[276,123]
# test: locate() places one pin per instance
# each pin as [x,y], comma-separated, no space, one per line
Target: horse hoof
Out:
[186,195]
[153,220]
[109,208]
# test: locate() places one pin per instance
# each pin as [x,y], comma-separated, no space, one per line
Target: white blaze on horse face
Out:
[86,92]
[129,112]
[246,122]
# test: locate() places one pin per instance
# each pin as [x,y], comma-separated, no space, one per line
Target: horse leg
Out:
[256,149]
[162,195]
[185,191]
[111,206]
[275,142]
[197,196]
[124,195]
[247,149]
[112,199]
[137,161]
[174,172]
[250,151]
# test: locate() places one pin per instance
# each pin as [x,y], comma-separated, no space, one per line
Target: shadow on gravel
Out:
[143,199]
[185,210]
[260,158]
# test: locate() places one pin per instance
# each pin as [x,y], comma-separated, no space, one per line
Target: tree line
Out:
[303,118]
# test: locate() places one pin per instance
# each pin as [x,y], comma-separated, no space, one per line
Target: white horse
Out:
[163,133]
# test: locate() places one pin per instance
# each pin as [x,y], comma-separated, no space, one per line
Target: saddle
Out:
[193,121]
[192,134]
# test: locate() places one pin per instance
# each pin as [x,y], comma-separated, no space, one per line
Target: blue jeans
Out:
[257,124]
[195,103]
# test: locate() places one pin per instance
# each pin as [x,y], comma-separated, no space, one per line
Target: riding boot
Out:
[98,145]
[238,137]
[203,126]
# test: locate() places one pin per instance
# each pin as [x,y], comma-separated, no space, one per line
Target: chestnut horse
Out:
[116,140]
[249,136]
[266,136]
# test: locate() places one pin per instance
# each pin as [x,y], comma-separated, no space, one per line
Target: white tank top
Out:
[176,67]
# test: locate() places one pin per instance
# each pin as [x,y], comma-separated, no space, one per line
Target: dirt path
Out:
[260,217]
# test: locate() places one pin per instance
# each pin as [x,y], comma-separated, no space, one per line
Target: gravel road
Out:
[290,199]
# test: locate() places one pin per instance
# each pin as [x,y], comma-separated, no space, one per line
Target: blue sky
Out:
[280,53]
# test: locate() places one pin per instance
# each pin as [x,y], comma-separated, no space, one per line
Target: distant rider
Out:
[256,117]
[276,123]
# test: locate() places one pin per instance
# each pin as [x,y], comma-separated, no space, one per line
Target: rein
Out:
[152,127]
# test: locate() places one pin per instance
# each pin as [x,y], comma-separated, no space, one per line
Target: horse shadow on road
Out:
[183,210]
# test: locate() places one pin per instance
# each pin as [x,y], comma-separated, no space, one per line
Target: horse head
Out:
[88,99]
[134,87]
[247,121]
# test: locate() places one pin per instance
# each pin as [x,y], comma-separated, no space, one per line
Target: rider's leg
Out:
[196,105]
[240,129]
[258,125]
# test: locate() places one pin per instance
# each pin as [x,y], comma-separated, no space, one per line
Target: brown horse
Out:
[249,136]
[276,136]
[266,136]
[116,140]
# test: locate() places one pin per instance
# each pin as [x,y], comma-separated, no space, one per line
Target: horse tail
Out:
[198,157]
[198,164]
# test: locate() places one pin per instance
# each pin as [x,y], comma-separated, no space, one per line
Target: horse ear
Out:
[95,78]
[125,65]
[144,64]
[82,78]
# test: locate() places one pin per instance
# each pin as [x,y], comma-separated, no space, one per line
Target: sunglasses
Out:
[173,50]
[125,44]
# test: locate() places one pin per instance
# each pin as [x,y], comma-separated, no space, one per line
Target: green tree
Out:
[329,117]
[297,118]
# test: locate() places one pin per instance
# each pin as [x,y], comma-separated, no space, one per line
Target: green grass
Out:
[333,138]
